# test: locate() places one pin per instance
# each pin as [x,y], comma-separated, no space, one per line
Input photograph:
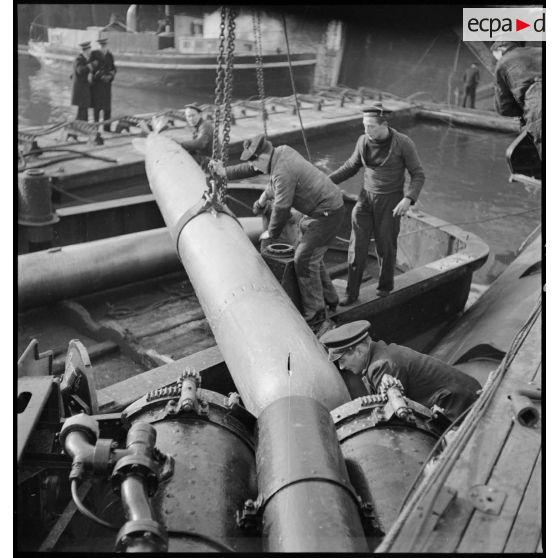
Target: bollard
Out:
[35,213]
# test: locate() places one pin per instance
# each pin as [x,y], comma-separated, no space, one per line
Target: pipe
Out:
[135,477]
[59,273]
[132,18]
[268,347]
[308,502]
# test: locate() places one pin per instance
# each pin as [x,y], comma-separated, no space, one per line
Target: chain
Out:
[219,80]
[259,65]
[222,116]
[227,119]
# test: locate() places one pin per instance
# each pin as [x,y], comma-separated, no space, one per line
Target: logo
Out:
[504,24]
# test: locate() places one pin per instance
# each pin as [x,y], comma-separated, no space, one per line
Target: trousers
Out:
[82,113]
[373,215]
[106,116]
[470,93]
[315,234]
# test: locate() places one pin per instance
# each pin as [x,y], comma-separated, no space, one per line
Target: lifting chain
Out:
[259,65]
[223,95]
[219,81]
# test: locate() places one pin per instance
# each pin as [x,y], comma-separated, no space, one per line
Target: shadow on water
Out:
[466,173]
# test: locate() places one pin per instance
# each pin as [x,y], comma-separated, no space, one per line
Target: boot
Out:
[317,320]
[347,300]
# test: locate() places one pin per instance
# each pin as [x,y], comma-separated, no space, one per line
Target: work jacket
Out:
[104,71]
[201,144]
[425,379]
[81,89]
[389,176]
[517,72]
[294,182]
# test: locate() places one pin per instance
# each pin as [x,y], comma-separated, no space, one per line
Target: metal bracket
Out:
[33,363]
[369,521]
[249,519]
[487,498]
[78,383]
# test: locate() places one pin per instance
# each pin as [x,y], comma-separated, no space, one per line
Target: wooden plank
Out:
[121,394]
[483,449]
[489,533]
[475,464]
[526,530]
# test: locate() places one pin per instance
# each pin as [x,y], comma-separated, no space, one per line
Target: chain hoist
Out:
[223,97]
[259,65]
[219,81]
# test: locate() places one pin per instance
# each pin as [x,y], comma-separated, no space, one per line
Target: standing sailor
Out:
[471,80]
[81,88]
[104,71]
[296,183]
[385,154]
[200,146]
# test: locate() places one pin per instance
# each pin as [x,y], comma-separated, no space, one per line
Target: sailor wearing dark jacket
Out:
[425,379]
[104,71]
[518,89]
[296,183]
[385,154]
[81,88]
[201,144]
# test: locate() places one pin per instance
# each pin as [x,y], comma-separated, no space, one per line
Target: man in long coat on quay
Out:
[81,88]
[101,82]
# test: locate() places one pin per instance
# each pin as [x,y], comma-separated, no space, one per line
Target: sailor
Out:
[384,153]
[201,144]
[81,89]
[518,88]
[425,379]
[471,80]
[296,183]
[104,71]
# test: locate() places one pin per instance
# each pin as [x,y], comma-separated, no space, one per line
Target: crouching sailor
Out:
[296,183]
[425,379]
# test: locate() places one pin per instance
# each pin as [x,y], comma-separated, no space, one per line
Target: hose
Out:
[89,514]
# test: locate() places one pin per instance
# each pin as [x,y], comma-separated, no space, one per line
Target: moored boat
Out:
[434,271]
[175,59]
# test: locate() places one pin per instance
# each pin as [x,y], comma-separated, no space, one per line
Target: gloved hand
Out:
[217,167]
[257,209]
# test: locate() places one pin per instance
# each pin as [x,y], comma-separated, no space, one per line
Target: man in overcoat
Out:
[81,88]
[104,71]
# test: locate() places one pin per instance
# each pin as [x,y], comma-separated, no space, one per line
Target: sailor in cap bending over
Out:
[425,379]
[296,183]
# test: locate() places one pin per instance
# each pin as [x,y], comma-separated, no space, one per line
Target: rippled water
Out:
[467,176]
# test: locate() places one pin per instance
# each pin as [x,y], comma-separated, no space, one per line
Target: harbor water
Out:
[466,172]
